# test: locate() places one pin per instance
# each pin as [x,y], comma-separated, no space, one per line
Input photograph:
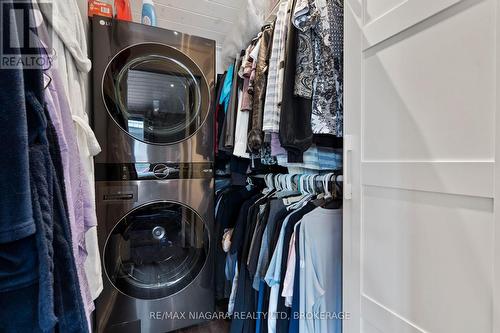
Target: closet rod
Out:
[334,182]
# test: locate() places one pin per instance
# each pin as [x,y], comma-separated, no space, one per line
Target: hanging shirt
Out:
[287,292]
[243,114]
[241,130]
[304,71]
[271,116]
[226,88]
[255,134]
[295,131]
[232,296]
[327,52]
[254,54]
[232,109]
[277,211]
[294,313]
[244,73]
[321,271]
[273,279]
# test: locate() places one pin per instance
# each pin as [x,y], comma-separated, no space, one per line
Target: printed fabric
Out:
[327,53]
[304,71]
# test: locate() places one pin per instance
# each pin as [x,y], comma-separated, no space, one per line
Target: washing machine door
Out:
[156,250]
[155,93]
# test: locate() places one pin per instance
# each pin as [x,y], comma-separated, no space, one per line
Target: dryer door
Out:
[155,93]
[156,250]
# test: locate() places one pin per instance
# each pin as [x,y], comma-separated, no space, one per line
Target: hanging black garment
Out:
[227,214]
[295,116]
[238,237]
[246,298]
[229,126]
[255,135]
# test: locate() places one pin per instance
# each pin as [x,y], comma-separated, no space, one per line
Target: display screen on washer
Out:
[155,93]
[156,250]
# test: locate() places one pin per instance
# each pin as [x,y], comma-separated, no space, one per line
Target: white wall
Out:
[212,19]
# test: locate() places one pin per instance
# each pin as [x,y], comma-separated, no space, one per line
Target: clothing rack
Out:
[330,183]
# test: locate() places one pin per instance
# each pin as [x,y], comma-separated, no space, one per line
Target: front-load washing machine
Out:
[157,253]
[151,94]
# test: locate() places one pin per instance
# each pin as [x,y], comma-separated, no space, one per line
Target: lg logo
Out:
[161,171]
[104,22]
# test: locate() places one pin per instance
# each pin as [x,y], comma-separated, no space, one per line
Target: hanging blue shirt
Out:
[226,88]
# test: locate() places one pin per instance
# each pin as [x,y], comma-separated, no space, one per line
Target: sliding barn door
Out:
[420,105]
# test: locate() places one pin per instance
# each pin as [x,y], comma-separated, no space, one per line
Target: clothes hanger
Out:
[282,187]
[325,194]
[269,190]
[45,70]
[304,199]
[335,201]
[290,194]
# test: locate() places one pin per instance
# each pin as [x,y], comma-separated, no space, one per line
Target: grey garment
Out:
[254,244]
[320,248]
[264,254]
[258,277]
[229,126]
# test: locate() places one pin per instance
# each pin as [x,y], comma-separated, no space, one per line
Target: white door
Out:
[420,104]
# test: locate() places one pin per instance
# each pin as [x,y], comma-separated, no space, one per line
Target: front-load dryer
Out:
[156,248]
[152,91]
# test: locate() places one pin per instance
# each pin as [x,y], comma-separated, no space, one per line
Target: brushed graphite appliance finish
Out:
[157,254]
[152,93]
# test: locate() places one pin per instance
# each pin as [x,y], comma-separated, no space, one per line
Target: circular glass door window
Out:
[156,250]
[155,93]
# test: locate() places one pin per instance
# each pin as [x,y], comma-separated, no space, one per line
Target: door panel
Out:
[430,95]
[403,15]
[376,8]
[441,177]
[424,254]
[420,102]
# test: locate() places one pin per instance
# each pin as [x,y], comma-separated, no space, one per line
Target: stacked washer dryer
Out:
[154,178]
